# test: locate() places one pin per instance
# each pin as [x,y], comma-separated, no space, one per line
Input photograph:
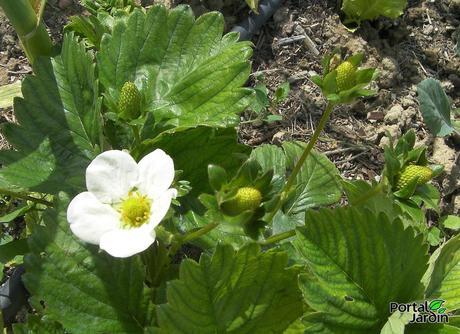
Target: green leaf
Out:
[12,249]
[243,291]
[435,107]
[360,10]
[82,288]
[360,262]
[220,147]
[254,5]
[451,222]
[9,217]
[8,93]
[396,323]
[317,184]
[282,92]
[59,127]
[364,195]
[37,325]
[443,275]
[187,72]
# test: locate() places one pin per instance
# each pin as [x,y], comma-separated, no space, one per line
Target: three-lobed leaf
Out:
[243,291]
[360,263]
[187,72]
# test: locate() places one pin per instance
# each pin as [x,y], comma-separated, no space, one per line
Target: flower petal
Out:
[156,173]
[160,206]
[89,219]
[127,242]
[111,175]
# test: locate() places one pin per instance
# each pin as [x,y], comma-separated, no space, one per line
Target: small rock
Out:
[384,141]
[392,130]
[394,115]
[456,205]
[408,102]
[389,72]
[428,29]
[356,45]
[63,4]
[375,115]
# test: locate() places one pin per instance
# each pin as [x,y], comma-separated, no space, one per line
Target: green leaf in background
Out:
[451,222]
[435,107]
[83,289]
[282,92]
[187,72]
[37,325]
[194,149]
[10,250]
[360,263]
[360,10]
[243,291]
[59,128]
[8,93]
[254,5]
[9,217]
[443,276]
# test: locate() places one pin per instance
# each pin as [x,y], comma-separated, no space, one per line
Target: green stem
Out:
[180,240]
[31,31]
[278,237]
[322,123]
[196,234]
[25,197]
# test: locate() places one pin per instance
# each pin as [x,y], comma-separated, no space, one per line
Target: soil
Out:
[418,45]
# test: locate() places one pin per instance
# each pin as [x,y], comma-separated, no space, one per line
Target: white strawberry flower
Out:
[124,203]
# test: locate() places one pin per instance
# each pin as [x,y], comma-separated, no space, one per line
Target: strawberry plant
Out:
[145,214]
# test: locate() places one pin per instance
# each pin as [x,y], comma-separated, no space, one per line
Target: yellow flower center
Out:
[135,210]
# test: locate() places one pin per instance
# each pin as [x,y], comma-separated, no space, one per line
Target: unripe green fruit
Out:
[246,198]
[410,172]
[346,76]
[129,104]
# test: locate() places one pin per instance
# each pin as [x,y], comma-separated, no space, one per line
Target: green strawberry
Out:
[129,104]
[345,76]
[409,172]
[246,198]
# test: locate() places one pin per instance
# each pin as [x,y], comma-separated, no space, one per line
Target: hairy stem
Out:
[25,197]
[278,237]
[31,31]
[322,123]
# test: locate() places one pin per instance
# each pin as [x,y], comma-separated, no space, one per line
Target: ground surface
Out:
[418,45]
